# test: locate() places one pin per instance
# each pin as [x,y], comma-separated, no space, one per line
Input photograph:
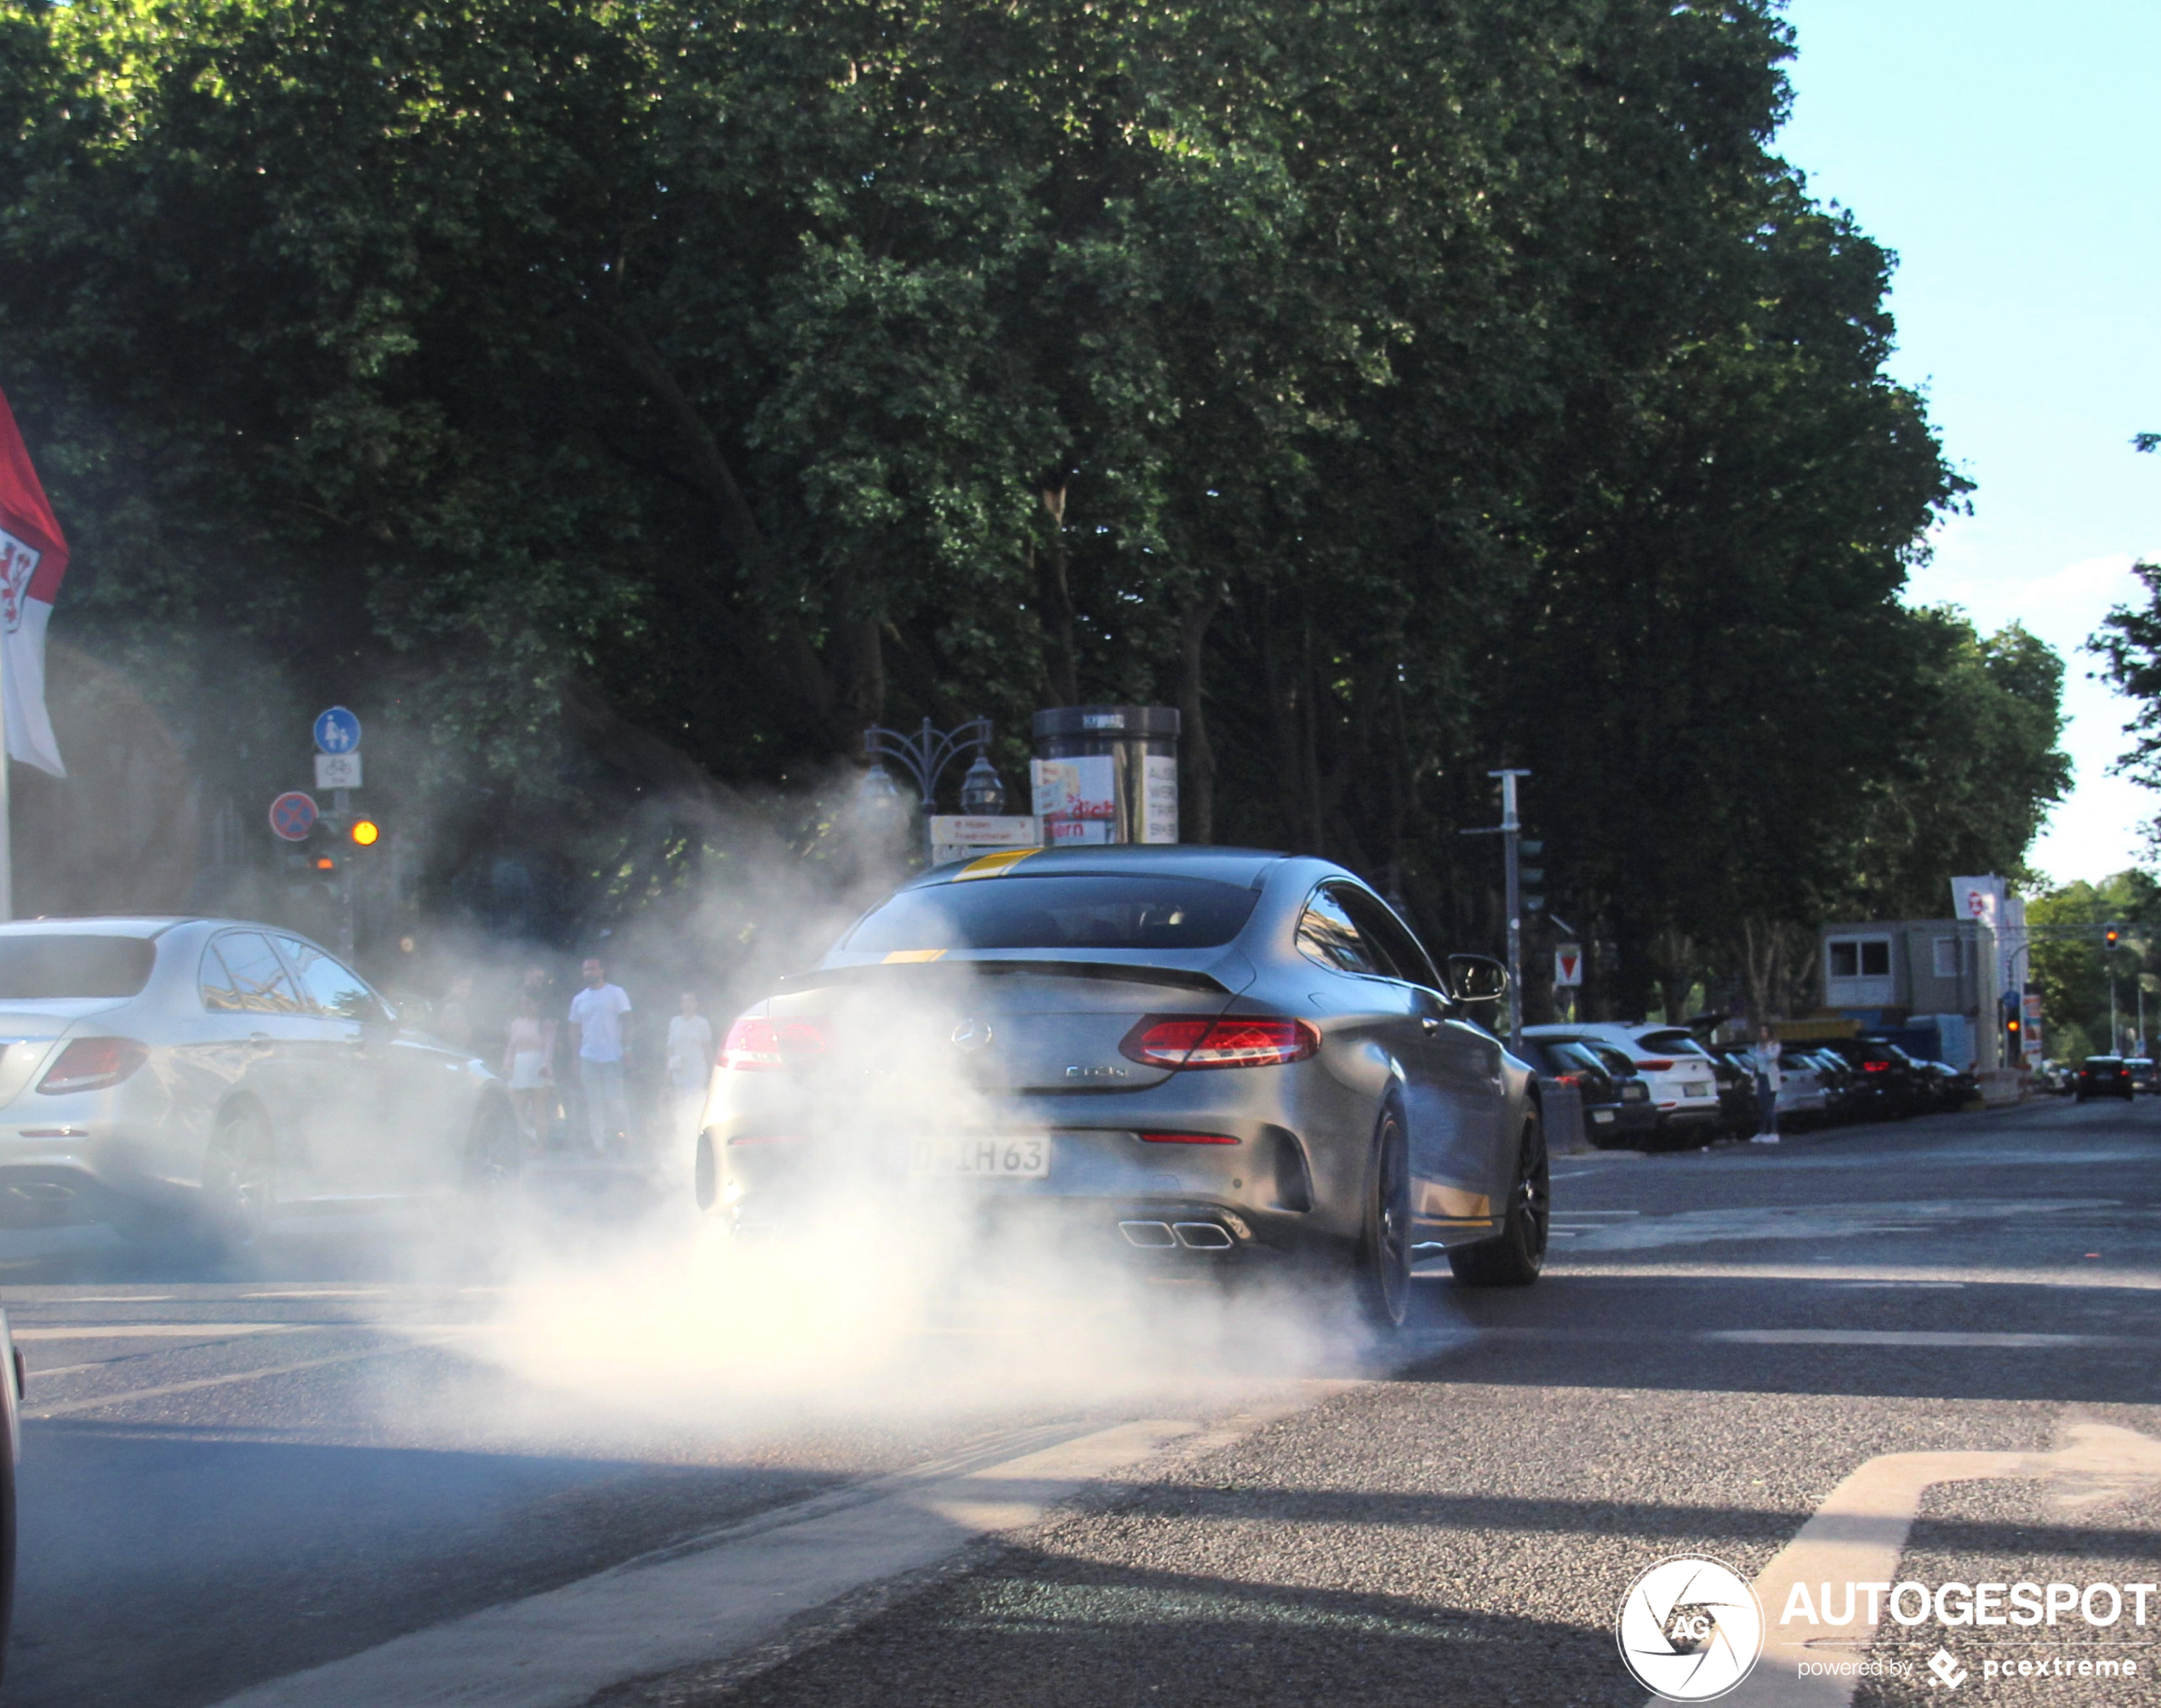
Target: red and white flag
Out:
[33,557]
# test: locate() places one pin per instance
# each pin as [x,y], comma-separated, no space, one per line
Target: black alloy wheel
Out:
[1383,1277]
[1514,1259]
[240,1176]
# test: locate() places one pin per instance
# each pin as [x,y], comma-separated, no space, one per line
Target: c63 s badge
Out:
[1690,1629]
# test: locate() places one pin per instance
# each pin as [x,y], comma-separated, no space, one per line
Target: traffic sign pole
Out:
[337,766]
[1511,836]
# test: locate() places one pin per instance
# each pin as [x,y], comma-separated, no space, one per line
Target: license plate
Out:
[1601,1115]
[1005,1157]
[1696,1088]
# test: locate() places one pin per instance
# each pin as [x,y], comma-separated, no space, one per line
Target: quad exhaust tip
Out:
[1162,1236]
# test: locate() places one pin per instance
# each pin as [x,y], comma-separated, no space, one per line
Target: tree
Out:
[630,403]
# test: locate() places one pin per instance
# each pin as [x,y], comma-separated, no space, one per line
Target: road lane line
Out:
[98,1403]
[1909,1337]
[1858,1534]
[159,1331]
[1974,1339]
[659,1614]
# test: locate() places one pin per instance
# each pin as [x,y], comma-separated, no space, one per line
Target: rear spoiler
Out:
[1118,972]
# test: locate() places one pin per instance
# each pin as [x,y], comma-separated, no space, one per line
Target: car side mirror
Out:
[1476,978]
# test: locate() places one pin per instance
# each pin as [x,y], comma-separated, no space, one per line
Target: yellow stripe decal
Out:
[993,865]
[913,955]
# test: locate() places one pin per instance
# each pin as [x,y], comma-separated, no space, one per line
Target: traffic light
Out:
[2110,935]
[366,833]
[325,865]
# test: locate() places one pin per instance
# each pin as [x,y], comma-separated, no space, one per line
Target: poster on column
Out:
[1159,797]
[1076,798]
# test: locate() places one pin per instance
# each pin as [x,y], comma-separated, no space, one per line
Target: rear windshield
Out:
[45,969]
[1670,1044]
[1051,912]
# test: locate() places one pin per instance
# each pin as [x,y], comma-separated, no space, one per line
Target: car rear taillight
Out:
[91,1064]
[1651,1066]
[1875,1067]
[766,1046]
[1568,1078]
[1169,1040]
[1187,1139]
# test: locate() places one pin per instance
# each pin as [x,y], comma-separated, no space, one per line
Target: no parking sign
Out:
[292,815]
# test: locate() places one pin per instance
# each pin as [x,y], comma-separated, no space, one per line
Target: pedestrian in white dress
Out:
[690,1064]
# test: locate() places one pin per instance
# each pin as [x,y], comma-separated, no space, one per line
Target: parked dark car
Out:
[1961,1085]
[2144,1077]
[1618,1113]
[1735,1070]
[1887,1086]
[2104,1076]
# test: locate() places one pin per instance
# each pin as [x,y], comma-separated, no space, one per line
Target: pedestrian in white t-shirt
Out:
[690,1063]
[596,1038]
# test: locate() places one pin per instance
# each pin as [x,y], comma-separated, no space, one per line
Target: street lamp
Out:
[925,755]
[982,794]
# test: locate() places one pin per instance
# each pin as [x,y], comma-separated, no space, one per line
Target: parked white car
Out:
[1679,1070]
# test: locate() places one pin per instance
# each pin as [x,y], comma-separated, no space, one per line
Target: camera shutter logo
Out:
[1690,1629]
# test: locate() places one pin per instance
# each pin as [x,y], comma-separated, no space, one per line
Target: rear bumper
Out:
[1257,1193]
[1690,1115]
[80,1159]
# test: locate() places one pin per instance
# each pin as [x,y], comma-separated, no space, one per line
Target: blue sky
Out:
[2006,153]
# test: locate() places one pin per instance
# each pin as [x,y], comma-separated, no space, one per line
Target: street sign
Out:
[955,837]
[292,815]
[337,730]
[337,770]
[1568,963]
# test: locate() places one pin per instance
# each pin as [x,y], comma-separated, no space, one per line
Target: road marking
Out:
[1909,1337]
[99,1402]
[1821,1221]
[1832,1337]
[157,1331]
[674,1609]
[1858,1534]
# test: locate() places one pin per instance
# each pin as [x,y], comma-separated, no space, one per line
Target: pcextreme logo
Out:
[1690,1629]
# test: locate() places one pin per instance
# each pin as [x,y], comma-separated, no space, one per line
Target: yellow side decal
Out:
[1453,1204]
[913,955]
[993,865]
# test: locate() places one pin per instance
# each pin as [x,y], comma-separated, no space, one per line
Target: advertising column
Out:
[1105,774]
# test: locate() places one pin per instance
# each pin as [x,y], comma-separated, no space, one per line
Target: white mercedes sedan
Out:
[168,1074]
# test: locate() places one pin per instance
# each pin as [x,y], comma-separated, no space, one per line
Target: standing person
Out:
[597,1039]
[1768,1080]
[690,1064]
[529,1067]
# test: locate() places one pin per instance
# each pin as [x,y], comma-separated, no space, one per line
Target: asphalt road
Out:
[369,1466]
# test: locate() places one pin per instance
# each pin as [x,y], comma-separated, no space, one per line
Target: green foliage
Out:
[2071,963]
[608,399]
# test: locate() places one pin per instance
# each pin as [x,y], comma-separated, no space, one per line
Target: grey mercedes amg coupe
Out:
[1183,1054]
